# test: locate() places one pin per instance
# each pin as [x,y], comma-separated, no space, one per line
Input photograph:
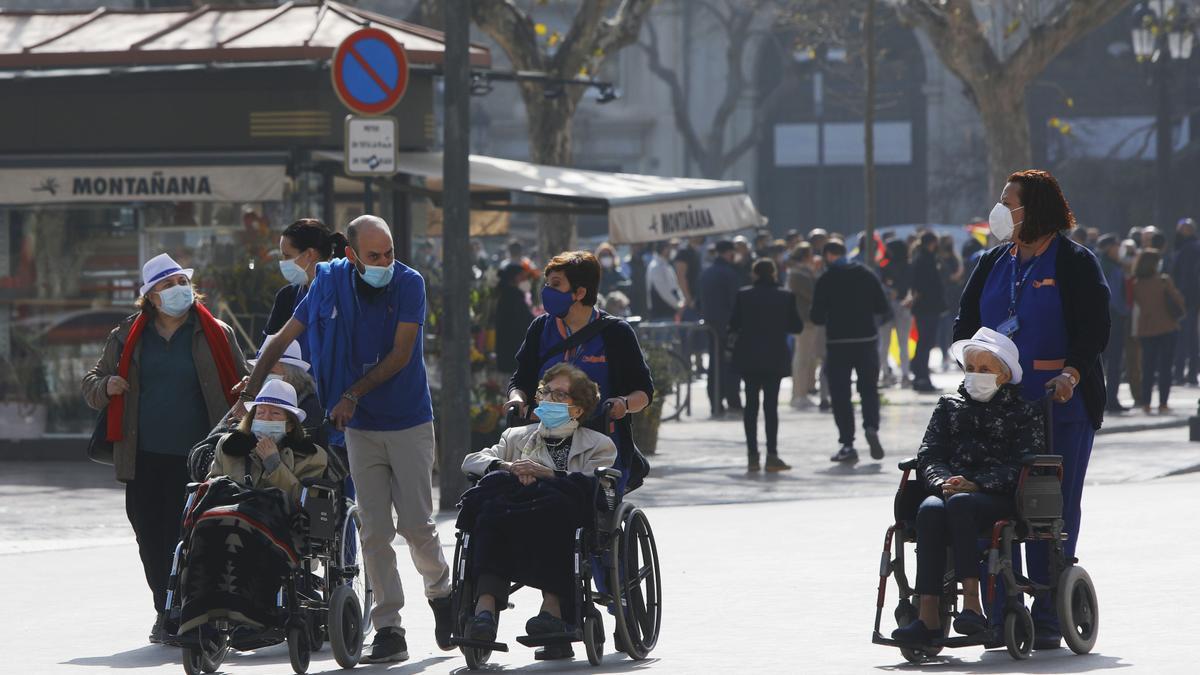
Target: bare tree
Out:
[1024,38]
[598,29]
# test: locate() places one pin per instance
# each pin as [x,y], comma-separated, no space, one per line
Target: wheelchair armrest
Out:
[319,482]
[1041,460]
[192,487]
[608,472]
[910,463]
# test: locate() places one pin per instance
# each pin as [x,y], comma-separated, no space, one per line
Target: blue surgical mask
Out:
[274,430]
[295,274]
[177,300]
[557,303]
[376,276]
[553,415]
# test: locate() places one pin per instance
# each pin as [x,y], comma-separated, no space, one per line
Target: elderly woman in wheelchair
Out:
[557,447]
[969,462]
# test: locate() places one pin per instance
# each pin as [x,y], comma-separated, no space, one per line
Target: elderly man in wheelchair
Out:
[545,496]
[979,471]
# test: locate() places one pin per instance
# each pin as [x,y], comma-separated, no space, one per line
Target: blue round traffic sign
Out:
[370,71]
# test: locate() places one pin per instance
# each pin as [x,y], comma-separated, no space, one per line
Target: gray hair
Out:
[974,348]
[300,380]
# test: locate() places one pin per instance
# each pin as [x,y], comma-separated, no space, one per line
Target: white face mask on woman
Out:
[1000,221]
[981,386]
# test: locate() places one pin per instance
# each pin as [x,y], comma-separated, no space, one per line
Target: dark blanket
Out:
[240,548]
[526,534]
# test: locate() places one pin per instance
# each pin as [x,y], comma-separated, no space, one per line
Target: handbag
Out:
[100,449]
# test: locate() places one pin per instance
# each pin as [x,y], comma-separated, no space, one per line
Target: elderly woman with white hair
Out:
[970,460]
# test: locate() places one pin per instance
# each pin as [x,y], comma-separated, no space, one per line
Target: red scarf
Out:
[217,344]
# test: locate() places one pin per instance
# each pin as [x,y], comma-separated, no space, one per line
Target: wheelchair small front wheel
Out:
[193,661]
[1018,633]
[1078,611]
[298,651]
[476,658]
[593,637]
[345,627]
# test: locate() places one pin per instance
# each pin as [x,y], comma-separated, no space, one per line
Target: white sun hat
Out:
[158,268]
[291,356]
[279,394]
[998,344]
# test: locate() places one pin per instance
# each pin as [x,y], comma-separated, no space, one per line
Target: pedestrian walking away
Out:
[763,316]
[928,301]
[165,378]
[1185,271]
[1160,309]
[718,291]
[848,300]
[1048,294]
[363,319]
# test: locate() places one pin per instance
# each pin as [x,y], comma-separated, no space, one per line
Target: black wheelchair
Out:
[1039,517]
[615,567]
[327,595]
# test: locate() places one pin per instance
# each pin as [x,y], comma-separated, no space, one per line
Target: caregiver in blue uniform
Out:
[601,345]
[1049,295]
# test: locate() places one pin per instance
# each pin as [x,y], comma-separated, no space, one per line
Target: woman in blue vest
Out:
[605,348]
[1048,294]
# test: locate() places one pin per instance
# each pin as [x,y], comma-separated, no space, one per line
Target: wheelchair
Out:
[615,567]
[1039,517]
[326,597]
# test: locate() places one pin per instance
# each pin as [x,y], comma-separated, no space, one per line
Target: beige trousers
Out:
[810,349]
[393,477]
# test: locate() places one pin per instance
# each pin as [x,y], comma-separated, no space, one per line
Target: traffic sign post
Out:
[370,71]
[370,146]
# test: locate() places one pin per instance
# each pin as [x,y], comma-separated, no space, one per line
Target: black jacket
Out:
[512,319]
[1085,297]
[281,311]
[846,301]
[763,316]
[1186,270]
[718,290]
[929,293]
[982,442]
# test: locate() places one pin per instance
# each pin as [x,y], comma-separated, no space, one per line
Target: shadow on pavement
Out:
[998,661]
[142,657]
[611,664]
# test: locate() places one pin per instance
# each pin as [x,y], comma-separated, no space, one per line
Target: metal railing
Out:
[680,340]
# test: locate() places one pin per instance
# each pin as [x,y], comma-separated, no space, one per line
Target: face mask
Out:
[374,275]
[557,303]
[269,429]
[176,300]
[553,415]
[981,386]
[606,262]
[294,273]
[525,286]
[1000,221]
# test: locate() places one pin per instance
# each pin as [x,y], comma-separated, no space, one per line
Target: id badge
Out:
[1009,327]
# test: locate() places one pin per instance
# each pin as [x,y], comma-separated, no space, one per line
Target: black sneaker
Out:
[482,627]
[157,631]
[775,465]
[443,621]
[873,441]
[389,647]
[752,464]
[847,455]
[545,623]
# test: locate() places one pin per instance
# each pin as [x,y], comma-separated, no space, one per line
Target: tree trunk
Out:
[550,143]
[1006,131]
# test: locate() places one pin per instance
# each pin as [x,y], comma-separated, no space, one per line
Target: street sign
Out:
[370,71]
[370,146]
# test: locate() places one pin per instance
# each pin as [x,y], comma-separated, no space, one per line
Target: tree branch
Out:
[679,103]
[735,78]
[512,29]
[1047,39]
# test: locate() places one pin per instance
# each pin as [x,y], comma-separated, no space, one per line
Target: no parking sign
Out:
[370,71]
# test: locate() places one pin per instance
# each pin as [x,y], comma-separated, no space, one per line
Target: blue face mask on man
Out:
[553,415]
[375,275]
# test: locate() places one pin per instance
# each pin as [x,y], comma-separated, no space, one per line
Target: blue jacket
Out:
[719,286]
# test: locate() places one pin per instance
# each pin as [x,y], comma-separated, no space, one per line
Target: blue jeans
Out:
[955,521]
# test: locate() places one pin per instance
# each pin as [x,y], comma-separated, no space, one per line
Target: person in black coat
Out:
[513,314]
[928,302]
[1185,270]
[718,291]
[763,316]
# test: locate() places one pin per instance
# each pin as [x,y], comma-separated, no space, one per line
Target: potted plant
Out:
[645,424]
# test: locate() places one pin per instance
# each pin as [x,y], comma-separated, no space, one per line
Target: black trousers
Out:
[927,333]
[861,358]
[956,521]
[768,385]
[719,358]
[154,503]
[1158,352]
[1114,358]
[1187,353]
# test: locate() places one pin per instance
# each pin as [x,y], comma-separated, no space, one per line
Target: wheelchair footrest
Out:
[551,638]
[479,644]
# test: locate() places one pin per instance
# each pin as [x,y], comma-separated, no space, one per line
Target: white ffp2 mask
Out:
[981,386]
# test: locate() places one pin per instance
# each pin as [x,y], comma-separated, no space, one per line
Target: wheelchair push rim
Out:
[1078,610]
[637,585]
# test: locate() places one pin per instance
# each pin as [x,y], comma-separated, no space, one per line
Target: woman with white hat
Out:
[270,447]
[970,461]
[165,379]
[294,370]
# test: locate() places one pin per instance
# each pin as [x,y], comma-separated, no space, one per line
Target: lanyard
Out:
[1019,283]
[572,356]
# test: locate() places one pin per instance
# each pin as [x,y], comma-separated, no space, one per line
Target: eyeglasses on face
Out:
[554,396]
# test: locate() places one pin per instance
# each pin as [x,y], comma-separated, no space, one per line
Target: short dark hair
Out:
[928,238]
[1046,210]
[834,247]
[581,269]
[723,246]
[1107,240]
[764,268]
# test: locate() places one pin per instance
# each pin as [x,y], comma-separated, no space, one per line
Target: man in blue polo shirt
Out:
[363,319]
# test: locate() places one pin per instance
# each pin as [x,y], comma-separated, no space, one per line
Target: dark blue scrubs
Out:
[1041,339]
[589,357]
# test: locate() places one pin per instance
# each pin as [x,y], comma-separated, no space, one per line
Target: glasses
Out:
[554,396]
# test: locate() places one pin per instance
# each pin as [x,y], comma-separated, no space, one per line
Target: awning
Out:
[639,208]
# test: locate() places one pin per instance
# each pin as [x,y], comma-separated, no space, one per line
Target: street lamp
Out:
[1162,31]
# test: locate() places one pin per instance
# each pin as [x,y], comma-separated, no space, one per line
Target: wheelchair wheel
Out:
[298,652]
[462,595]
[593,637]
[350,555]
[906,613]
[636,585]
[207,658]
[345,627]
[1078,611]
[1018,633]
